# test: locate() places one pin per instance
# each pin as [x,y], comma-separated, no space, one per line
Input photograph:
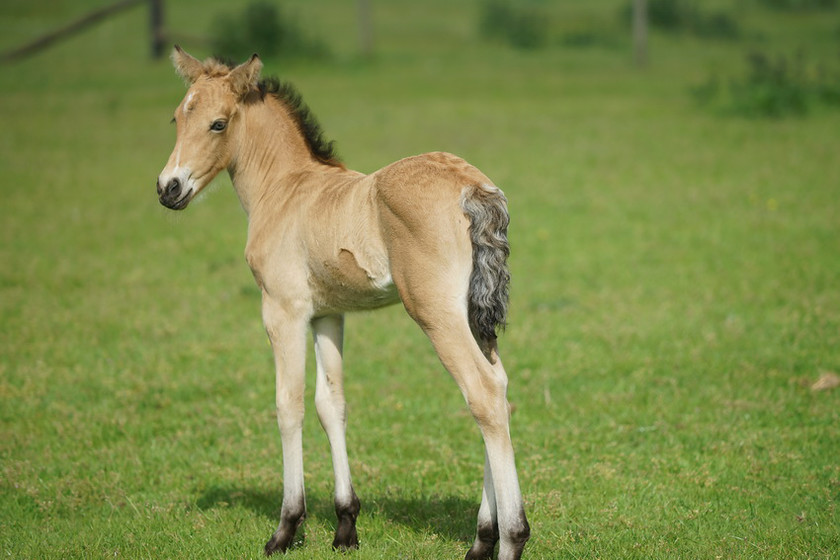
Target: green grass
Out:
[675,294]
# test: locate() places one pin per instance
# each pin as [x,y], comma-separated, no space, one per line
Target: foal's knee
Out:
[289,412]
[329,401]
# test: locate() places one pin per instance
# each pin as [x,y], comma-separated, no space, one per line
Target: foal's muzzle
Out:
[172,195]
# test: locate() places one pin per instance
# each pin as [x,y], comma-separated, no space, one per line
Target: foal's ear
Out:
[187,66]
[244,77]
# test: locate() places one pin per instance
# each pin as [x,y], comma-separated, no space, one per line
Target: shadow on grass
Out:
[266,504]
[450,517]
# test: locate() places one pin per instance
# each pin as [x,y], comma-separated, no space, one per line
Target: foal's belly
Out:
[350,283]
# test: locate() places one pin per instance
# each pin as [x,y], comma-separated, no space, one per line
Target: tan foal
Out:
[429,231]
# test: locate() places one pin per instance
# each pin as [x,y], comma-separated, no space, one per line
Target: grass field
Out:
[675,297]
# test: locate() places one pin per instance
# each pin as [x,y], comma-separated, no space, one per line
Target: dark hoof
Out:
[485,542]
[284,536]
[346,537]
[280,541]
[277,543]
[352,543]
[480,551]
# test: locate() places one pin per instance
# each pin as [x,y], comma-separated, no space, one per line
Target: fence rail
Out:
[156,32]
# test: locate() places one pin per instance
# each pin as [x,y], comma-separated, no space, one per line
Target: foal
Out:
[429,231]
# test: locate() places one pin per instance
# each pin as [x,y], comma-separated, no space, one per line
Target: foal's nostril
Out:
[174,187]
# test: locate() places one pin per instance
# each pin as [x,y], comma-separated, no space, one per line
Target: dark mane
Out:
[322,149]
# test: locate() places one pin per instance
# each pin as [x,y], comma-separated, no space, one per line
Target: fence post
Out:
[640,32]
[156,27]
[365,27]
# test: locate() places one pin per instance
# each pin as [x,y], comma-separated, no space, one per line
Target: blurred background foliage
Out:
[266,28]
[768,84]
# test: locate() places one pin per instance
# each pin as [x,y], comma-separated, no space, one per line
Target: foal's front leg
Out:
[287,332]
[329,399]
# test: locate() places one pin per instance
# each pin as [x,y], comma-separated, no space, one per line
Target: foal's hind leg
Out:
[484,386]
[487,534]
[431,263]
[329,400]
[485,389]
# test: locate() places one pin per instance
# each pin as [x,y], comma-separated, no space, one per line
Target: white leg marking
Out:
[328,333]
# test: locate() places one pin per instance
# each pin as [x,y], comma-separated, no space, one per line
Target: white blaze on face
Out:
[174,170]
[185,110]
[187,101]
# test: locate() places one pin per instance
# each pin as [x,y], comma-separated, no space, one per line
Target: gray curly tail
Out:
[486,207]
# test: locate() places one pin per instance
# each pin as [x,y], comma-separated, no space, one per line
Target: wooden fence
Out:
[156,33]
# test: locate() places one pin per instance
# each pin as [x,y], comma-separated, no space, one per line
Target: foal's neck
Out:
[267,149]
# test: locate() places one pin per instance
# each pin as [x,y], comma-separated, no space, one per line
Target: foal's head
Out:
[205,121]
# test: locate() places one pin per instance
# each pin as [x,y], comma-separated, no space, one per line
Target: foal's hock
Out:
[429,231]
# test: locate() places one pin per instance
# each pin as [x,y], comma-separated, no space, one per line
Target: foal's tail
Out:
[486,207]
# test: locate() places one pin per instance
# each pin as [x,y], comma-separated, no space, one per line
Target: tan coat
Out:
[429,231]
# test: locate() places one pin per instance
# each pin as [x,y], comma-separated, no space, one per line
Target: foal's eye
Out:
[218,126]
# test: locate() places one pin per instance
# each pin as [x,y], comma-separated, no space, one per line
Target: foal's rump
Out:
[445,226]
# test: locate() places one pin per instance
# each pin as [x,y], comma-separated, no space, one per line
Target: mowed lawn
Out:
[674,299]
